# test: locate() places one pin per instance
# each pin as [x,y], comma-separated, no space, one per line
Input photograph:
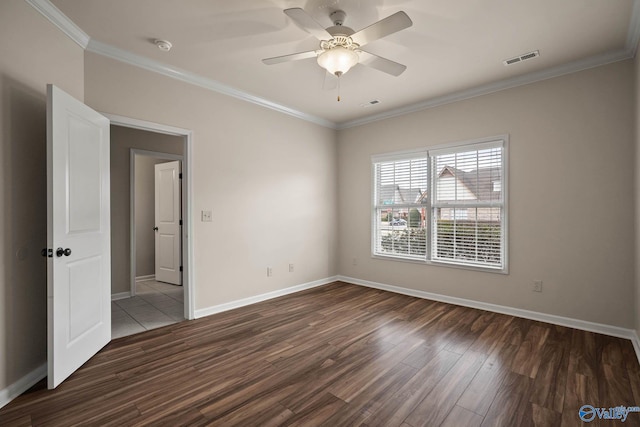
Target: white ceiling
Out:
[453,46]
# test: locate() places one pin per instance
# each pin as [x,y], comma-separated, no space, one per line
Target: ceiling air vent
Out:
[521,58]
[370,103]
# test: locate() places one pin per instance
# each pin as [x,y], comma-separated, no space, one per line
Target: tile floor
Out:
[156,304]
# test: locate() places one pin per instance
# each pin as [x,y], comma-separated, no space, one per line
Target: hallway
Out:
[156,304]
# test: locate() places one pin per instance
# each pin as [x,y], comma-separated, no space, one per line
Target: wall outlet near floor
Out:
[537,286]
[269,272]
[354,261]
[290,268]
[207,216]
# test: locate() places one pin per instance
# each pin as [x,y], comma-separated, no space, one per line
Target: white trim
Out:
[262,297]
[549,73]
[23,384]
[60,20]
[195,79]
[66,25]
[120,295]
[188,273]
[583,325]
[145,278]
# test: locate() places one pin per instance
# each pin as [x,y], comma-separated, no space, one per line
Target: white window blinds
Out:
[445,205]
[400,224]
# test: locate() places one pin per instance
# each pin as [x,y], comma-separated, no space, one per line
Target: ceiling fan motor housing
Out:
[338,17]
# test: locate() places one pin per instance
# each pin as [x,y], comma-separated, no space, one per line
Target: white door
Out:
[167,222]
[78,234]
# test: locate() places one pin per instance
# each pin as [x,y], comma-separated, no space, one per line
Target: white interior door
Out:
[78,234]
[168,223]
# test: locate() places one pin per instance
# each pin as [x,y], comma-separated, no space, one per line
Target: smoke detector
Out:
[163,45]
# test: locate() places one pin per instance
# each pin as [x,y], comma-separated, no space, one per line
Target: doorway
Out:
[140,300]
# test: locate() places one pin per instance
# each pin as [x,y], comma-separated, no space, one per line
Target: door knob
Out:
[65,252]
[155,228]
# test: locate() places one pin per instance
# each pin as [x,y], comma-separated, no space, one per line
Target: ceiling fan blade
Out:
[382,64]
[307,23]
[292,57]
[389,25]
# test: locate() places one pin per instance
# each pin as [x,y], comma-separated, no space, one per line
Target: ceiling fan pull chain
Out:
[338,88]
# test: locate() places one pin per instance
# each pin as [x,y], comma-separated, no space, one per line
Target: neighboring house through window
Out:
[443,205]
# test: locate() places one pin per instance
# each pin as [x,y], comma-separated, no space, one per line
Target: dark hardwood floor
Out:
[344,355]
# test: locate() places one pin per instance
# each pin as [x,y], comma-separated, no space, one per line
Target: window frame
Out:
[431,152]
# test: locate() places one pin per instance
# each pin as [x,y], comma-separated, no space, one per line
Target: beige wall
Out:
[122,141]
[571,195]
[32,53]
[145,214]
[269,179]
[637,188]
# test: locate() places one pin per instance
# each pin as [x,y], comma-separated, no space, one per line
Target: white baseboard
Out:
[22,385]
[146,278]
[584,325]
[262,297]
[121,295]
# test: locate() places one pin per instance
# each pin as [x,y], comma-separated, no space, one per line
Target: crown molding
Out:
[67,26]
[633,35]
[571,67]
[60,20]
[195,79]
[53,14]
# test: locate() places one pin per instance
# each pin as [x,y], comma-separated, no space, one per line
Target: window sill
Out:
[442,264]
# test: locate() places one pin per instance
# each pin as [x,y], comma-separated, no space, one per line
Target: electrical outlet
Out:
[354,261]
[537,286]
[269,272]
[290,268]
[207,216]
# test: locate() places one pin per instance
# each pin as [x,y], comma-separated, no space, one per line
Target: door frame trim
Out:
[188,276]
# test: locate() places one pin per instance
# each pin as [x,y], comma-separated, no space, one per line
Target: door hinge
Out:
[180,268]
[180,222]
[180,175]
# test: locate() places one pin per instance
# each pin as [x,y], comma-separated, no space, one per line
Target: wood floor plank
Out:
[435,407]
[527,360]
[399,405]
[372,397]
[511,405]
[486,384]
[342,355]
[550,383]
[354,382]
[460,417]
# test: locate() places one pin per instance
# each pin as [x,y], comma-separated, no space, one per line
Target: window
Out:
[444,205]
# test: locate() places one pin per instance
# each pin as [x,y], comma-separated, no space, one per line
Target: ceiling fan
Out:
[341,47]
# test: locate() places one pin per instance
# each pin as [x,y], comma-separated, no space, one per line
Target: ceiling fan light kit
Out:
[340,46]
[338,60]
